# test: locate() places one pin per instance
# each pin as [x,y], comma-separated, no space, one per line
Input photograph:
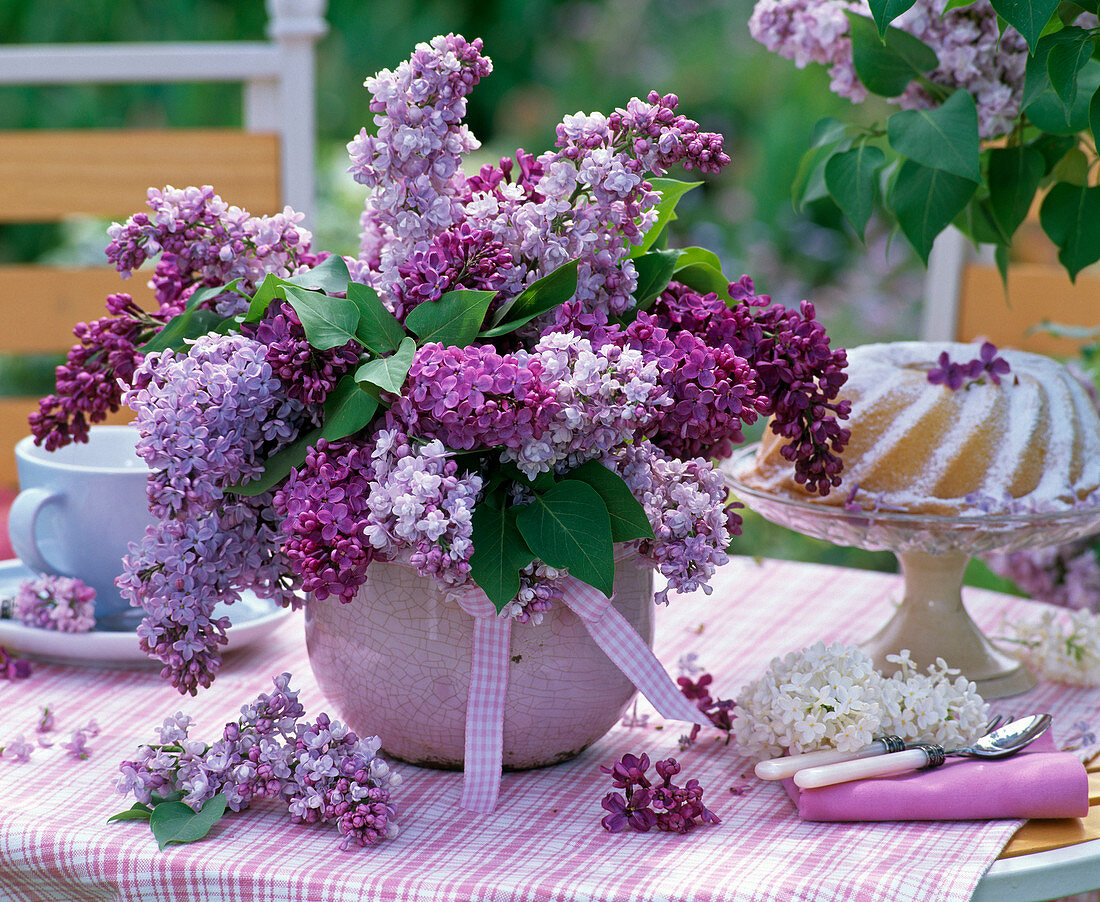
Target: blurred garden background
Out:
[550,58]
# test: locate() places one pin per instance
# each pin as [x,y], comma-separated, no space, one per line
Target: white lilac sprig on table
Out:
[998,105]
[55,603]
[832,697]
[322,771]
[513,377]
[1060,646]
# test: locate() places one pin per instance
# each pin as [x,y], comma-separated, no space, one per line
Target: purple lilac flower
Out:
[957,375]
[349,505]
[89,384]
[646,805]
[208,419]
[202,240]
[686,503]
[19,751]
[77,745]
[711,390]
[1066,575]
[55,603]
[799,375]
[973,52]
[412,162]
[605,394]
[45,720]
[461,257]
[475,397]
[717,710]
[322,770]
[13,668]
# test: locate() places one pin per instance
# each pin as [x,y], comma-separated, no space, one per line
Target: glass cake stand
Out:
[933,552]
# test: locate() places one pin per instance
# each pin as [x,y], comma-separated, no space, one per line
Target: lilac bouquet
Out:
[514,375]
[965,73]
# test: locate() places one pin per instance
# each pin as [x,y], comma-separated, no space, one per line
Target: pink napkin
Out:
[1038,782]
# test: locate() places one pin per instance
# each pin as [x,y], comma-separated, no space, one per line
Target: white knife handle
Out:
[882,766]
[782,768]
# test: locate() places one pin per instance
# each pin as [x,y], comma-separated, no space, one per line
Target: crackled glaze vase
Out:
[395,662]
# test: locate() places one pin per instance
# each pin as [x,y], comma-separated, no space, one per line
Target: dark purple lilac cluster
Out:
[322,770]
[956,375]
[664,805]
[89,384]
[475,397]
[717,710]
[308,374]
[713,391]
[461,257]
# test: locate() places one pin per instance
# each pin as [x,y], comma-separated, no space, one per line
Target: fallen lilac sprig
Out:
[56,603]
[666,806]
[717,710]
[322,771]
[957,375]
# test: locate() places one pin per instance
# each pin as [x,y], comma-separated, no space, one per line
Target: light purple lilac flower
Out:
[973,52]
[55,603]
[322,771]
[13,668]
[686,504]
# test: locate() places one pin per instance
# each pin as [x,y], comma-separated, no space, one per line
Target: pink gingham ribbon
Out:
[484,748]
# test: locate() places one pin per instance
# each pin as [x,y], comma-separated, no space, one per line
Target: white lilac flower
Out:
[1061,646]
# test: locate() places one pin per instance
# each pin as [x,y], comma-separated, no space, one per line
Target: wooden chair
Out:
[50,176]
[964,298]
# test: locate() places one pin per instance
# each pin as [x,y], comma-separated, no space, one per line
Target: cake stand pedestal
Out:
[931,621]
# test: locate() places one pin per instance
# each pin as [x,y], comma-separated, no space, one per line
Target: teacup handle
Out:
[22,521]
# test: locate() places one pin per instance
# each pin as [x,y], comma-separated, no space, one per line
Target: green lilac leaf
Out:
[925,201]
[704,278]
[499,553]
[689,256]
[327,321]
[261,300]
[1070,215]
[454,320]
[330,275]
[175,822]
[977,223]
[182,328]
[945,137]
[389,373]
[347,409]
[1042,105]
[1029,17]
[138,812]
[671,190]
[851,180]
[628,517]
[885,11]
[1073,167]
[378,330]
[278,466]
[654,273]
[1000,257]
[1013,178]
[1053,148]
[887,64]
[544,294]
[568,527]
[957,4]
[1094,117]
[1065,60]
[809,181]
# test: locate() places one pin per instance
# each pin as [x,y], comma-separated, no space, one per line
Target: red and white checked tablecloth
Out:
[544,842]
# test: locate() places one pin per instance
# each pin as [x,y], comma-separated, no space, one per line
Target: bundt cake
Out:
[978,437]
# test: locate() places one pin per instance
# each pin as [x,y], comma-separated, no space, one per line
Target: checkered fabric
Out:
[544,840]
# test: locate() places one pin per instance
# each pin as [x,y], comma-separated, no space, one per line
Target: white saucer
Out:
[253,618]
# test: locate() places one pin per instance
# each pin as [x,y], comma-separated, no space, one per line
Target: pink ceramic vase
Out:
[395,662]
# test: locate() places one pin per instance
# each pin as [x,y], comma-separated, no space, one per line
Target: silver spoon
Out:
[1005,741]
[789,765]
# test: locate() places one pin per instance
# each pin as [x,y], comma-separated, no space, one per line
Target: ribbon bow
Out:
[484,748]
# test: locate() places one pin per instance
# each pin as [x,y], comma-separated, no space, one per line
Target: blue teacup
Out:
[78,510]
